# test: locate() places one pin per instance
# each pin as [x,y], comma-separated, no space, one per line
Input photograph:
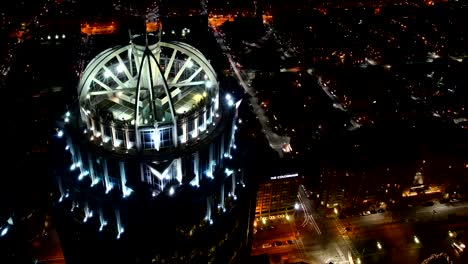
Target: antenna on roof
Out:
[146,31]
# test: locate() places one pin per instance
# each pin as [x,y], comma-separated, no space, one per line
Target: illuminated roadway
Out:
[322,238]
[336,102]
[276,142]
[325,240]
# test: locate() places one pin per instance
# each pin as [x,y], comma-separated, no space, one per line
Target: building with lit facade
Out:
[144,172]
[277,196]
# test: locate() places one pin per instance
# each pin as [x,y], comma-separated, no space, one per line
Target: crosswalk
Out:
[345,237]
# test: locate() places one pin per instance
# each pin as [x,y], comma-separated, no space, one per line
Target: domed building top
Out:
[149,85]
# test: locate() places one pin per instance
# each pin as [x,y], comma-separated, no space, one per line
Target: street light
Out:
[379,246]
[296,206]
[416,239]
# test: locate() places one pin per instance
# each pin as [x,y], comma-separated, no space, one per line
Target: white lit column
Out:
[203,127]
[196,168]
[107,183]
[142,173]
[216,103]
[179,170]
[196,180]
[222,196]
[184,132]
[233,189]
[212,162]
[101,126]
[210,116]
[120,228]
[208,210]
[175,135]
[195,128]
[71,147]
[88,121]
[93,126]
[102,221]
[127,138]
[91,169]
[123,179]
[114,137]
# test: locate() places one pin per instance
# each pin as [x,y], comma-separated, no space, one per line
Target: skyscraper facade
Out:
[145,175]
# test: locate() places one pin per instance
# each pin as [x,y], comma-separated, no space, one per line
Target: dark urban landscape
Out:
[240,131]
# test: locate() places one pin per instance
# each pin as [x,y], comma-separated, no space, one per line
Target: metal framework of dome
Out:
[148,86]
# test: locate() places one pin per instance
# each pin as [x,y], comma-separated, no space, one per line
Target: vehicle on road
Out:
[277,243]
[428,203]
[266,245]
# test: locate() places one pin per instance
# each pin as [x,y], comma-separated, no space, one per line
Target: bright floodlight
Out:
[189,64]
[296,206]
[120,68]
[107,74]
[4,231]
